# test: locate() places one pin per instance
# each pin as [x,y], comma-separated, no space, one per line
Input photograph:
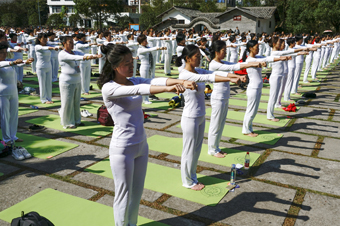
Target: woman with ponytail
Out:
[254,88]
[122,96]
[220,96]
[193,117]
[70,83]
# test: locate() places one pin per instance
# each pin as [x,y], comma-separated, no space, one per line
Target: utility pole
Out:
[39,14]
[139,3]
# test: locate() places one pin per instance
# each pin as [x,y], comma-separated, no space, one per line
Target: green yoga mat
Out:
[63,209]
[1,174]
[41,147]
[163,75]
[166,95]
[30,79]
[263,97]
[36,86]
[92,108]
[174,146]
[90,129]
[236,132]
[243,103]
[92,94]
[168,180]
[162,105]
[35,100]
[259,118]
[24,111]
[56,90]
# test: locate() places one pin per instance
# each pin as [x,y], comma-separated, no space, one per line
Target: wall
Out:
[247,22]
[176,14]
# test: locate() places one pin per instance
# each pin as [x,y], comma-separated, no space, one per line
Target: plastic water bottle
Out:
[233,174]
[247,161]
[34,107]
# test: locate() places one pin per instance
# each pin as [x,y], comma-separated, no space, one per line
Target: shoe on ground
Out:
[25,153]
[83,99]
[91,87]
[84,114]
[153,97]
[36,128]
[88,113]
[19,140]
[17,154]
[147,102]
[168,74]
[80,124]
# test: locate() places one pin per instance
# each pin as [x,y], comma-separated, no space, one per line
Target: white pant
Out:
[85,74]
[45,84]
[282,88]
[128,165]
[325,58]
[101,64]
[9,117]
[144,72]
[308,66]
[34,63]
[289,83]
[233,58]
[70,104]
[167,63]
[253,102]
[157,53]
[275,86]
[55,68]
[321,58]
[93,52]
[20,73]
[297,74]
[134,68]
[193,134]
[219,111]
[316,62]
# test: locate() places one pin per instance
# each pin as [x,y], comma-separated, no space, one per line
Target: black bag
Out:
[31,219]
[309,95]
[104,117]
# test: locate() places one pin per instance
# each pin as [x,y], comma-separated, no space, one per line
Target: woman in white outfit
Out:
[44,68]
[70,83]
[100,41]
[233,49]
[193,117]
[16,45]
[220,96]
[54,56]
[128,147]
[31,46]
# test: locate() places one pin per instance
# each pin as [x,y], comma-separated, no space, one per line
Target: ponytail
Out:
[216,47]
[250,44]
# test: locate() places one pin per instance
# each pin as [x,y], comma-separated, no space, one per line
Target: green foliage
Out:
[55,20]
[123,21]
[74,19]
[328,13]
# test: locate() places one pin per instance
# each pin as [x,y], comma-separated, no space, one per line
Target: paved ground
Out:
[294,182]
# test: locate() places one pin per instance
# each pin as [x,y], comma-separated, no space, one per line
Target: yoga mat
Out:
[174,146]
[36,86]
[243,103]
[166,95]
[163,75]
[92,94]
[56,90]
[168,180]
[259,118]
[236,132]
[263,97]
[90,129]
[35,100]
[162,105]
[63,209]
[94,85]
[43,148]
[92,108]
[24,111]
[31,79]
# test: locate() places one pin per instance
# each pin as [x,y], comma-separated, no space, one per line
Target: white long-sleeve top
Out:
[221,90]
[124,103]
[143,54]
[278,66]
[54,53]
[255,74]
[194,99]
[43,56]
[31,46]
[300,58]
[8,78]
[133,46]
[69,63]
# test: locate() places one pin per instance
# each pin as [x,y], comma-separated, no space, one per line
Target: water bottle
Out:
[247,161]
[34,107]
[233,174]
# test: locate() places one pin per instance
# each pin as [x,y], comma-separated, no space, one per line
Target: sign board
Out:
[237,18]
[134,27]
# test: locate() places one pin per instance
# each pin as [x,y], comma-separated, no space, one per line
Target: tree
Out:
[124,21]
[99,10]
[55,20]
[327,13]
[74,19]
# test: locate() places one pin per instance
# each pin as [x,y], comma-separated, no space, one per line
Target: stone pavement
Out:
[294,182]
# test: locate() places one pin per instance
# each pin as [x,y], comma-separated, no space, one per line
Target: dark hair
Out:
[50,34]
[180,37]
[40,35]
[188,51]
[243,37]
[290,41]
[3,35]
[307,39]
[252,35]
[317,39]
[106,48]
[106,33]
[250,44]
[80,36]
[129,36]
[63,39]
[141,38]
[274,40]
[11,35]
[3,45]
[298,37]
[114,56]
[232,38]
[216,47]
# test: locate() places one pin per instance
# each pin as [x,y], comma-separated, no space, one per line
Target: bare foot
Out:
[219,155]
[274,120]
[251,134]
[198,187]
[86,94]
[48,102]
[291,100]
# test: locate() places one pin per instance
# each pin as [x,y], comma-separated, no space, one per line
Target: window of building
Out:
[180,21]
[270,24]
[56,9]
[259,23]
[70,9]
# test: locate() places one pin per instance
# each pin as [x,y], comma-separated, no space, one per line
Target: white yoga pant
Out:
[289,83]
[233,58]
[101,64]
[55,68]
[253,102]
[282,88]
[20,73]
[134,67]
[9,117]
[325,58]
[219,111]
[167,63]
[193,134]
[144,72]
[308,66]
[34,63]
[321,58]
[45,84]
[162,56]
[297,73]
[228,55]
[158,53]
[128,165]
[316,62]
[93,52]
[275,86]
[85,74]
[70,104]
